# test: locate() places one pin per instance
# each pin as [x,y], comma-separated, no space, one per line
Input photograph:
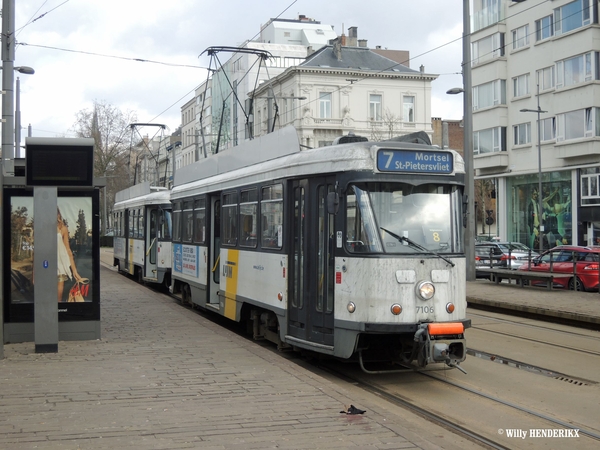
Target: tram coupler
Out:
[441,343]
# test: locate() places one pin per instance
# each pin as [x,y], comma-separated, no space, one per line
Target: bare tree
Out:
[109,127]
[386,128]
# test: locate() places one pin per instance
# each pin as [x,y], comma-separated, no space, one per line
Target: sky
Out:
[144,55]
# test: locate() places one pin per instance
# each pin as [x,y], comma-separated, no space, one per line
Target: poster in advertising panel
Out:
[75,272]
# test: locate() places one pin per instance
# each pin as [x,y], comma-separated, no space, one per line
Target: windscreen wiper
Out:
[413,244]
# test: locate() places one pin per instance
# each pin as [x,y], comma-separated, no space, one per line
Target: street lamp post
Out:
[28,71]
[468,145]
[539,146]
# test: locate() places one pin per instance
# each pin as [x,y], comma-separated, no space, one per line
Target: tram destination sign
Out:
[415,161]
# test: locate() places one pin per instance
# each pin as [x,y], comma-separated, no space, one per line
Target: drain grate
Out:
[571,380]
[529,368]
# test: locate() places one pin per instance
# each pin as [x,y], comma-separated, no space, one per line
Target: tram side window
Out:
[132,223]
[200,221]
[360,223]
[164,224]
[248,217]
[188,221]
[229,219]
[271,210]
[140,229]
[177,222]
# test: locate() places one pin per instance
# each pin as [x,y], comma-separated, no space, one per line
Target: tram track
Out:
[538,328]
[538,341]
[449,420]
[366,383]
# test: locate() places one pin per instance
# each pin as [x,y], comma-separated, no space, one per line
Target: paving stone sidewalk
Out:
[165,377]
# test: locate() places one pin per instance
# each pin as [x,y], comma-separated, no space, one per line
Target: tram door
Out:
[312,263]
[214,262]
[151,244]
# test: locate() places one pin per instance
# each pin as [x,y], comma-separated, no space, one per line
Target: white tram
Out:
[142,233]
[353,250]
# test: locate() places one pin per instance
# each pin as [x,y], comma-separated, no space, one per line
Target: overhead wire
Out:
[134,59]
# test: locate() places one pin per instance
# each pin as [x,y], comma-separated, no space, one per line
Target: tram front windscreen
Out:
[427,215]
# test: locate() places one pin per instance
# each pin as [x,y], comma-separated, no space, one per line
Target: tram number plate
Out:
[425,309]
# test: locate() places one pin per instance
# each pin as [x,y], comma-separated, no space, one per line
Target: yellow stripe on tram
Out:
[230,271]
[130,256]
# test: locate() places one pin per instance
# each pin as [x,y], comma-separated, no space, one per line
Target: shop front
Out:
[553,226]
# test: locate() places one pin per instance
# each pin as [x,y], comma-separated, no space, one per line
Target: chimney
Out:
[362,43]
[343,39]
[309,50]
[352,36]
[337,48]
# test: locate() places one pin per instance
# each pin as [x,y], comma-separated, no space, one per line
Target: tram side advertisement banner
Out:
[77,257]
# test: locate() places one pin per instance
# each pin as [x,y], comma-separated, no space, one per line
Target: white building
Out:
[517,51]
[342,89]
[338,89]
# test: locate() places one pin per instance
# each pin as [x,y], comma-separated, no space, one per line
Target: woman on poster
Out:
[66,261]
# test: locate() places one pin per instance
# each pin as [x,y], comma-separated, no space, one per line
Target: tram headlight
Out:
[396,309]
[450,307]
[351,307]
[426,290]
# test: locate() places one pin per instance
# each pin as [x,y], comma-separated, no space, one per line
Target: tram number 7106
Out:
[425,309]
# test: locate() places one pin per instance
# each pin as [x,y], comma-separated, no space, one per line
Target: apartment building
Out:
[535,76]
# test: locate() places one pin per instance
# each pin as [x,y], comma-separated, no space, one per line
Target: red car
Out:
[582,262]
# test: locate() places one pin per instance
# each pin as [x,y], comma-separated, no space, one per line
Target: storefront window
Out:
[523,204]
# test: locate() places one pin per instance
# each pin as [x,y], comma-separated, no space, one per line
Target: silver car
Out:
[514,254]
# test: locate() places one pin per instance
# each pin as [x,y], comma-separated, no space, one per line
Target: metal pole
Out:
[468,145]
[18,118]
[8,80]
[8,57]
[540,199]
[104,211]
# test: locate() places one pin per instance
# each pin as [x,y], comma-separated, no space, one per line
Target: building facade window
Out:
[523,204]
[486,13]
[544,28]
[325,105]
[521,85]
[571,16]
[408,108]
[520,37]
[578,69]
[522,134]
[545,78]
[589,180]
[548,129]
[375,107]
[489,140]
[488,48]
[578,124]
[489,94]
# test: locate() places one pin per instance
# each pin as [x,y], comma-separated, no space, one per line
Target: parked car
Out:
[483,260]
[514,254]
[581,262]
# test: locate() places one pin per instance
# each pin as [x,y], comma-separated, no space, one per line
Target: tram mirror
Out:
[333,202]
